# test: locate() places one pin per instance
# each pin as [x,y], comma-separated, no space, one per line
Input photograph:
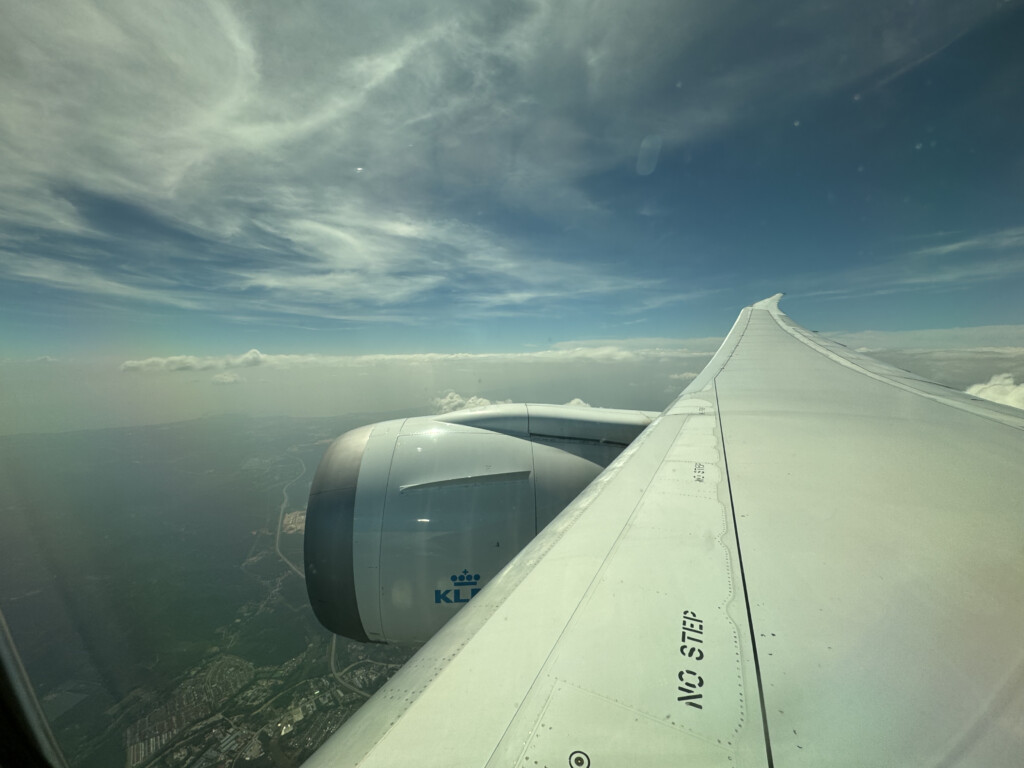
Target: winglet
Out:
[772,302]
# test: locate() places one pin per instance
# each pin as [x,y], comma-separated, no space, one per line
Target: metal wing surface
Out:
[809,559]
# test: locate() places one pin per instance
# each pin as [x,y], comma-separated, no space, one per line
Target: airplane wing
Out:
[810,558]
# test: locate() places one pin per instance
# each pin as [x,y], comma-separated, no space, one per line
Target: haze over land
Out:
[140,577]
[48,395]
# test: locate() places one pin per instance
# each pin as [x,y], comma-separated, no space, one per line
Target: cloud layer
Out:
[55,395]
[603,353]
[1000,389]
[453,401]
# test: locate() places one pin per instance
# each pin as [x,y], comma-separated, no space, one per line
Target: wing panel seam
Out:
[743,581]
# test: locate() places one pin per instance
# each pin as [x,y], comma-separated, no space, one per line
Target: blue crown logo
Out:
[465,579]
[464,586]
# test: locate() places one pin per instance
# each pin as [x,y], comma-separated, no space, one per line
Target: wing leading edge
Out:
[808,557]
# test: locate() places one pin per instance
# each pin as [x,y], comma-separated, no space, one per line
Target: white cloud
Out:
[598,354]
[226,378]
[1000,389]
[683,376]
[693,346]
[453,401]
[250,359]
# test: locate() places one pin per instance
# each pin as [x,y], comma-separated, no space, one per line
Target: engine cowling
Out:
[407,520]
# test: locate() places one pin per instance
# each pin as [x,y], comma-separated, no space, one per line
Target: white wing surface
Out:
[809,559]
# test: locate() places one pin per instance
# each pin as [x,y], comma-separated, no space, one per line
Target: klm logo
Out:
[464,586]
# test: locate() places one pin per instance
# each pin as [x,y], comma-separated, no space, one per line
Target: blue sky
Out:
[400,178]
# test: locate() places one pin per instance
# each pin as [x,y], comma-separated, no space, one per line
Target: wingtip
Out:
[772,302]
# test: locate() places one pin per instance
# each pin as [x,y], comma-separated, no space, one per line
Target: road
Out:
[280,518]
[337,675]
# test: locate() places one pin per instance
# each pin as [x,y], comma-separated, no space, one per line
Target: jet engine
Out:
[407,520]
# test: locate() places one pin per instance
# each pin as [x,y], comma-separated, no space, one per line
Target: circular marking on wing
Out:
[579,759]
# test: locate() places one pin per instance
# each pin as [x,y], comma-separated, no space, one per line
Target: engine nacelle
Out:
[408,519]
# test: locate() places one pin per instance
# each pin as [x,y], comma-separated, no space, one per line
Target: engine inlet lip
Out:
[327,543]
